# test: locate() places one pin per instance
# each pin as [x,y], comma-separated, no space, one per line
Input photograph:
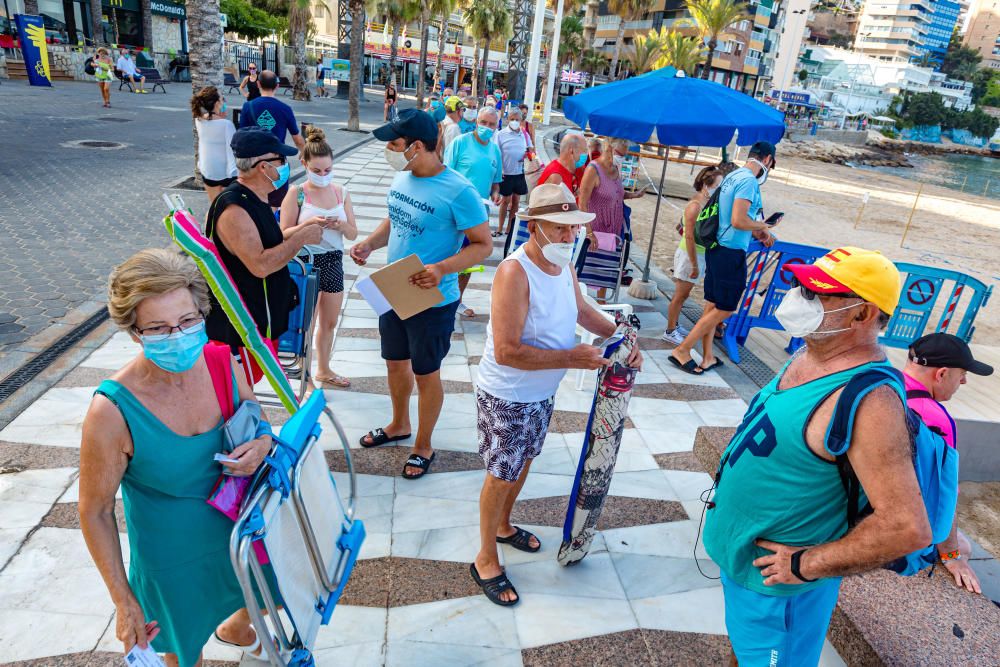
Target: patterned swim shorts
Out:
[510,433]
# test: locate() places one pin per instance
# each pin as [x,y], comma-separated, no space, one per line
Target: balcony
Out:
[644,26]
[608,22]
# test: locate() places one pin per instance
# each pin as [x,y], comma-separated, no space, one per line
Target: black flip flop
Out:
[718,364]
[686,367]
[380,437]
[520,540]
[418,461]
[492,588]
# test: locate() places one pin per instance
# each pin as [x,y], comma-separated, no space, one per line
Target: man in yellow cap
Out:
[777,525]
[450,128]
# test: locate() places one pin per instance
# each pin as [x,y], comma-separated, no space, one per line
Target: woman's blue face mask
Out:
[176,352]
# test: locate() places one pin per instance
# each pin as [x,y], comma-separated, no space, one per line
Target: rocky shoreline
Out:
[879,151]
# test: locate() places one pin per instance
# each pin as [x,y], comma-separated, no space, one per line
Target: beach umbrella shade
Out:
[671,109]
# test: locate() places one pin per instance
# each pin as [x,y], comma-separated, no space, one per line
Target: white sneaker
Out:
[676,336]
[684,331]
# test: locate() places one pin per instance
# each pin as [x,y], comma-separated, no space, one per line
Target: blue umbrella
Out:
[669,108]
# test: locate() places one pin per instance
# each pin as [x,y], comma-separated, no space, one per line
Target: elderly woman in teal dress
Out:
[153,429]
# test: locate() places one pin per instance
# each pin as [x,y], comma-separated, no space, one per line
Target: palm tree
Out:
[95,16]
[570,39]
[398,13]
[357,54]
[443,8]
[205,51]
[593,62]
[501,27]
[299,17]
[486,21]
[627,10]
[680,52]
[425,25]
[645,51]
[713,18]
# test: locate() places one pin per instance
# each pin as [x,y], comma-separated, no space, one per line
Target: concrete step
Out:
[16,70]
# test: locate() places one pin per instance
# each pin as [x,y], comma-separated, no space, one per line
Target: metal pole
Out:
[910,219]
[534,55]
[987,188]
[656,216]
[554,71]
[861,211]
[964,182]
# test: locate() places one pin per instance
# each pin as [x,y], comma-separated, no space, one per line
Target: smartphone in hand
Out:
[775,218]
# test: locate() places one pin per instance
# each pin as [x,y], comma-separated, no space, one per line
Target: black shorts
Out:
[224,183]
[330,266]
[513,185]
[423,339]
[275,198]
[725,277]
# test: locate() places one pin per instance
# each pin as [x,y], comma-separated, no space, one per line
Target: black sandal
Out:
[380,437]
[520,540]
[688,367]
[418,461]
[492,588]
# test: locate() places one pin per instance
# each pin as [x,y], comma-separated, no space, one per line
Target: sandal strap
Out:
[417,460]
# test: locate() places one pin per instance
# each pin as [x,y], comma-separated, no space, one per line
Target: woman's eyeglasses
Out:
[188,325]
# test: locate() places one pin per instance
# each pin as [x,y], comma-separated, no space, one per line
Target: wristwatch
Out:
[796,557]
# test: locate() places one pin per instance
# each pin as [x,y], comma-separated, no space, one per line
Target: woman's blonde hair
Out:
[316,144]
[102,51]
[152,272]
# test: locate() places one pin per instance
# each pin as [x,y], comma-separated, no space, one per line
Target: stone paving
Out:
[637,599]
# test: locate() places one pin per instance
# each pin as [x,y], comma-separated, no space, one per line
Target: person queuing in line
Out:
[530,343]
[593,153]
[431,208]
[249,86]
[126,65]
[153,430]
[777,525]
[527,126]
[514,146]
[740,220]
[320,82]
[469,115]
[477,158]
[450,128]
[322,202]
[602,193]
[936,368]
[252,246]
[103,73]
[572,156]
[689,258]
[271,114]
[390,102]
[447,92]
[215,156]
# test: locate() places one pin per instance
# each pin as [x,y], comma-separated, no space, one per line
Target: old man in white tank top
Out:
[530,344]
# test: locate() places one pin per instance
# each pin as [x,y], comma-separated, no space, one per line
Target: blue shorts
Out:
[773,630]
[423,339]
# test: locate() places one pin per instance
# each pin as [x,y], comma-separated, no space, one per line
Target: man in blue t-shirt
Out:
[271,114]
[431,210]
[740,220]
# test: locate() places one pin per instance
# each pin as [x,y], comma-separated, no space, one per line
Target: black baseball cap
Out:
[410,123]
[253,142]
[943,350]
[763,149]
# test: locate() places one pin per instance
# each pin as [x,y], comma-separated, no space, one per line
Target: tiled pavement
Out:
[637,599]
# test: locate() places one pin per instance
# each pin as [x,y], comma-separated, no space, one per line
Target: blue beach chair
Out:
[295,348]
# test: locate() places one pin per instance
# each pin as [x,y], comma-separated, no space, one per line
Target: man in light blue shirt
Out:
[431,210]
[477,158]
[740,221]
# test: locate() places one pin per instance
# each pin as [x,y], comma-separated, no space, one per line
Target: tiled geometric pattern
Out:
[637,598]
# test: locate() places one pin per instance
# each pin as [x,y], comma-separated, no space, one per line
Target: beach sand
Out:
[979,513]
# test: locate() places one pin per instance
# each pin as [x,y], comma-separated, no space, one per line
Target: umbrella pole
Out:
[656,216]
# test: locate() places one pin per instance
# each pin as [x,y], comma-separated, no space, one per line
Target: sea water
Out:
[975,174]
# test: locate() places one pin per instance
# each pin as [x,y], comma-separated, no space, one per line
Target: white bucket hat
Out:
[554,203]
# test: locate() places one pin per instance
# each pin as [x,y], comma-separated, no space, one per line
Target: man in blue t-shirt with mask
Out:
[431,210]
[740,221]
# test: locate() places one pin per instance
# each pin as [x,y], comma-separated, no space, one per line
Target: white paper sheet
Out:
[373,295]
[143,657]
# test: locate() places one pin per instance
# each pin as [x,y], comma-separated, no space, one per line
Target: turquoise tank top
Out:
[772,486]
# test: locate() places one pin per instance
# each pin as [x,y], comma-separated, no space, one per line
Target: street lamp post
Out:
[554,71]
[534,55]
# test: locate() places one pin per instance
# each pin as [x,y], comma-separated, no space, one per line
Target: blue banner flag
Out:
[34,48]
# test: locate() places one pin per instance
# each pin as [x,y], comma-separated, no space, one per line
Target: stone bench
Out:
[885,619]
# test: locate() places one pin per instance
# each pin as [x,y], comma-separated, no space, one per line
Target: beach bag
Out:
[935,464]
[706,226]
[88,66]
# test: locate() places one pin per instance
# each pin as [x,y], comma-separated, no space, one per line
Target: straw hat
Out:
[554,203]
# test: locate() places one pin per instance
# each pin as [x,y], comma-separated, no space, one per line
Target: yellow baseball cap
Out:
[454,103]
[867,273]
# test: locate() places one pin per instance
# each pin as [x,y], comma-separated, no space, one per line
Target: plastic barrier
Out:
[967,138]
[765,265]
[922,287]
[929,133]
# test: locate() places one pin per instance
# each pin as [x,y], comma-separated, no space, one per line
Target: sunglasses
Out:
[809,295]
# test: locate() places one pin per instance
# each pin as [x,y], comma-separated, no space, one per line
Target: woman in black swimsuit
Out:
[390,102]
[249,87]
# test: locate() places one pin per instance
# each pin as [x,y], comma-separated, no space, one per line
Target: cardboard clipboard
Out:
[389,288]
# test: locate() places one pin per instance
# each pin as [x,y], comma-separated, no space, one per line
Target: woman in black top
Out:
[390,102]
[249,87]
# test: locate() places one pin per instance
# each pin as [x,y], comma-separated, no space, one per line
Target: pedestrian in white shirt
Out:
[128,69]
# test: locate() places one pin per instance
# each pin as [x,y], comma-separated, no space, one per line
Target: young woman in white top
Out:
[320,197]
[215,157]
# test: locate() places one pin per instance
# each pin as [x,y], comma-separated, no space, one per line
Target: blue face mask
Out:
[582,160]
[178,351]
[223,108]
[485,133]
[283,172]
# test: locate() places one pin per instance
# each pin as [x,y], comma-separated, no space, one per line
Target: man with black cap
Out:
[741,219]
[251,244]
[937,366]
[432,208]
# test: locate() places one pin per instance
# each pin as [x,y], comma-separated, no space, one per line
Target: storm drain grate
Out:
[42,360]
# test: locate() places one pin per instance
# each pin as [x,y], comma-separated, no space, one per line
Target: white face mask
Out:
[762,178]
[319,180]
[515,125]
[560,254]
[397,159]
[470,115]
[803,317]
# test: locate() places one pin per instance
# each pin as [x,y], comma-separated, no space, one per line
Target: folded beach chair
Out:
[312,540]
[295,346]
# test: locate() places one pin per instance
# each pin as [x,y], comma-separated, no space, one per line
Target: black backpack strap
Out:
[918,393]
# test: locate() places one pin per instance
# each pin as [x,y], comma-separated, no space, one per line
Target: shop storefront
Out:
[66,21]
[376,70]
[169,26]
[122,21]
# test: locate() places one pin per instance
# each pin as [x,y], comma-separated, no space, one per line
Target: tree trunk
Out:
[707,69]
[30,8]
[147,25]
[618,47]
[298,20]
[425,25]
[357,9]
[475,72]
[97,28]
[442,31]
[397,27]
[486,61]
[205,52]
